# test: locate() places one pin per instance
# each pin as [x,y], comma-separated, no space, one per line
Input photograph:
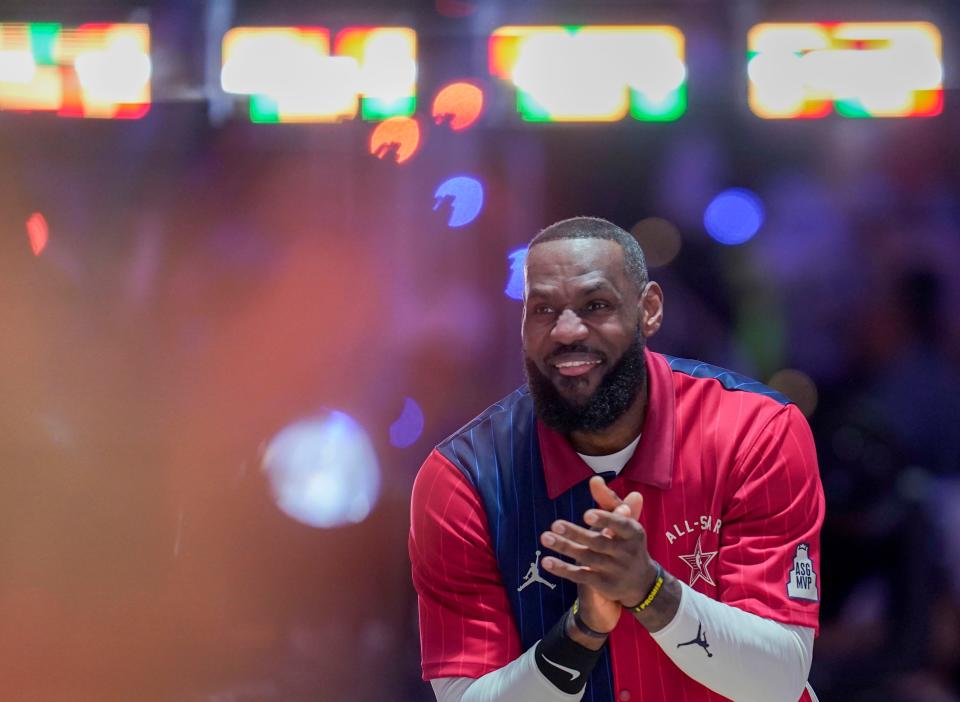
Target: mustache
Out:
[574,348]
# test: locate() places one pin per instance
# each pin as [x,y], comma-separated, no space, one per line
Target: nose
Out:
[569,328]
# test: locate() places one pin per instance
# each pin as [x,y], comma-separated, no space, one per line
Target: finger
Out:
[622,526]
[635,502]
[592,538]
[583,553]
[623,509]
[581,575]
[604,497]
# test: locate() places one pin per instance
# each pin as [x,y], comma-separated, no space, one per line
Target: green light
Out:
[851,108]
[264,110]
[43,36]
[530,109]
[376,108]
[666,110]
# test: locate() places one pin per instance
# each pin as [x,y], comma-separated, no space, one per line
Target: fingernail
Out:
[548,540]
[590,517]
[559,528]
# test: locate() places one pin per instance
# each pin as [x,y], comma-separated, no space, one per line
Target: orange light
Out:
[458,105]
[397,138]
[38,233]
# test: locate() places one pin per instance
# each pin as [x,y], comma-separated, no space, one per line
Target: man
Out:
[682,501]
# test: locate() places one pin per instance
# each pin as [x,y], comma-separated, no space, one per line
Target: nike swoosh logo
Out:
[574,674]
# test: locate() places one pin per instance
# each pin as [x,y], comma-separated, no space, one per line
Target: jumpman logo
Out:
[533,576]
[699,640]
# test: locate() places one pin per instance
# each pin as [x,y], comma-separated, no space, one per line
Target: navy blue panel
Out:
[499,454]
[727,378]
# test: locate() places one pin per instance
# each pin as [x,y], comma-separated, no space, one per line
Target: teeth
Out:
[573,364]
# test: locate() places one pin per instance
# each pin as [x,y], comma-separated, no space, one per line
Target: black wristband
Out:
[582,626]
[563,661]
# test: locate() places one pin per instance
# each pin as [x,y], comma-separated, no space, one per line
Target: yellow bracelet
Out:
[654,591]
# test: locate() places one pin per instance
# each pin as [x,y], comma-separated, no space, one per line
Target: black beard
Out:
[607,404]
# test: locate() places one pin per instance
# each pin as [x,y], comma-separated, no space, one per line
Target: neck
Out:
[618,435]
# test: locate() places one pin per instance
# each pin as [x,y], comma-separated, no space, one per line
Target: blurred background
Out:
[249,277]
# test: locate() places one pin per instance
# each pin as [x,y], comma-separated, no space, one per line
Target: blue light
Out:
[409,426]
[323,470]
[463,195]
[514,287]
[734,216]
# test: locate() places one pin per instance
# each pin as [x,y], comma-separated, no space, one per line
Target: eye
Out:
[597,306]
[542,309]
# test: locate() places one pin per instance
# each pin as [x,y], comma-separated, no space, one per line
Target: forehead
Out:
[576,261]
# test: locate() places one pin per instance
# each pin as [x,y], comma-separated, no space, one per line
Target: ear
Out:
[651,309]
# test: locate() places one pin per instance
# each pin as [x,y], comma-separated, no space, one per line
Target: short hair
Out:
[634,261]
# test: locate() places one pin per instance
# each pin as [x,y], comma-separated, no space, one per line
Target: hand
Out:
[613,566]
[597,611]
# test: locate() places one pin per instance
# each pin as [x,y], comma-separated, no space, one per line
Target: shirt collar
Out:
[651,463]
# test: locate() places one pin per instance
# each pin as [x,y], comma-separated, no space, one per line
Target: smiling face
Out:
[584,330]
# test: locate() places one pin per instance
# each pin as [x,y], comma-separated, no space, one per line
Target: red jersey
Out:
[733,507]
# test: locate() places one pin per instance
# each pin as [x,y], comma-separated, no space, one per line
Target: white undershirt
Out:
[612,461]
[754,659]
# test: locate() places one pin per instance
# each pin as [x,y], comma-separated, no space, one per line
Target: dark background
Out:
[209,281]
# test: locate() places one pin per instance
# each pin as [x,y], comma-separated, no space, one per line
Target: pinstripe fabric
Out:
[740,486]
[499,454]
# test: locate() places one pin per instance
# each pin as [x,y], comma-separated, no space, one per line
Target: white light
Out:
[572,76]
[17,67]
[658,76]
[778,80]
[119,73]
[882,80]
[389,69]
[650,65]
[330,89]
[788,38]
[881,77]
[323,471]
[278,64]
[389,80]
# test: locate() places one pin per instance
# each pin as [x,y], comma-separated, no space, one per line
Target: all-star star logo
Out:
[698,562]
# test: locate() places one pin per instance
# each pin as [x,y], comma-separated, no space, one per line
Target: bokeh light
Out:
[798,386]
[734,216]
[323,470]
[592,73]
[660,240]
[38,233]
[94,70]
[458,105]
[396,138]
[408,427]
[291,75]
[515,280]
[117,73]
[386,58]
[862,69]
[463,196]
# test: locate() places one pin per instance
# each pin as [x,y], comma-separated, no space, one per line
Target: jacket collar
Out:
[651,463]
